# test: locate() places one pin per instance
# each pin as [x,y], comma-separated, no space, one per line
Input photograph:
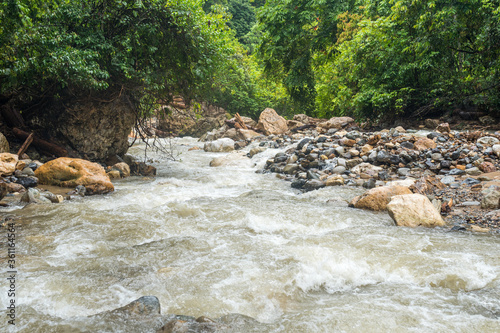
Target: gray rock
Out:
[370,183]
[383,157]
[447,180]
[292,159]
[408,145]
[455,155]
[455,185]
[403,171]
[436,156]
[27,181]
[33,196]
[456,172]
[469,203]
[146,306]
[312,175]
[303,143]
[473,171]
[341,162]
[298,183]
[471,181]
[383,175]
[353,135]
[28,172]
[314,184]
[339,169]
[491,198]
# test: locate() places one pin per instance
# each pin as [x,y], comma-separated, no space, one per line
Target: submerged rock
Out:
[142,169]
[33,196]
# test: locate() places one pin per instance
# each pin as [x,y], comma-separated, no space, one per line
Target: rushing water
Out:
[213,241]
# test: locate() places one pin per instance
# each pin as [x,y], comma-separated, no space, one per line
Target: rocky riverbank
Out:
[453,172]
[30,181]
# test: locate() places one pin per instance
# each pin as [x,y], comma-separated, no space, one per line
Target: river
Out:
[213,241]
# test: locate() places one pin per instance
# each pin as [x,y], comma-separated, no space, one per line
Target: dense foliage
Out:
[385,57]
[368,59]
[149,49]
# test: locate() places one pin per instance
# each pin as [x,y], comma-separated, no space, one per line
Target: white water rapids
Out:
[213,241]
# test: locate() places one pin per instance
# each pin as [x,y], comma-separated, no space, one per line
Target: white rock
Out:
[496,150]
[413,210]
[406,182]
[488,140]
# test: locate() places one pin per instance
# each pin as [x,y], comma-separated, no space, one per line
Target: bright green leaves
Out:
[414,57]
[150,47]
[293,32]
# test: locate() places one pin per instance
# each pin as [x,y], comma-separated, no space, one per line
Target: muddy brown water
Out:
[214,241]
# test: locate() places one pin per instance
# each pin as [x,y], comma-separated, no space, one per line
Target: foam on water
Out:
[212,241]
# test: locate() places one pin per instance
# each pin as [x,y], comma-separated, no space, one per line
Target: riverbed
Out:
[214,241]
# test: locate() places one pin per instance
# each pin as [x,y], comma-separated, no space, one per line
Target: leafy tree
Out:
[415,57]
[149,49]
[293,32]
[243,17]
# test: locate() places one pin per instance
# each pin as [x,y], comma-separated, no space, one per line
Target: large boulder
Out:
[197,119]
[377,198]
[92,127]
[220,145]
[4,144]
[71,172]
[414,210]
[271,123]
[336,122]
[7,164]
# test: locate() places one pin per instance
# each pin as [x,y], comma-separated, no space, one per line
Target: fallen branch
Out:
[43,145]
[25,145]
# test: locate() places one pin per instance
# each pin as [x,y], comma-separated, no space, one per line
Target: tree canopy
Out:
[362,58]
[147,48]
[385,57]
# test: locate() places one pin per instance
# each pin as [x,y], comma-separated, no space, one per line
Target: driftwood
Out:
[232,124]
[25,145]
[239,122]
[43,145]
